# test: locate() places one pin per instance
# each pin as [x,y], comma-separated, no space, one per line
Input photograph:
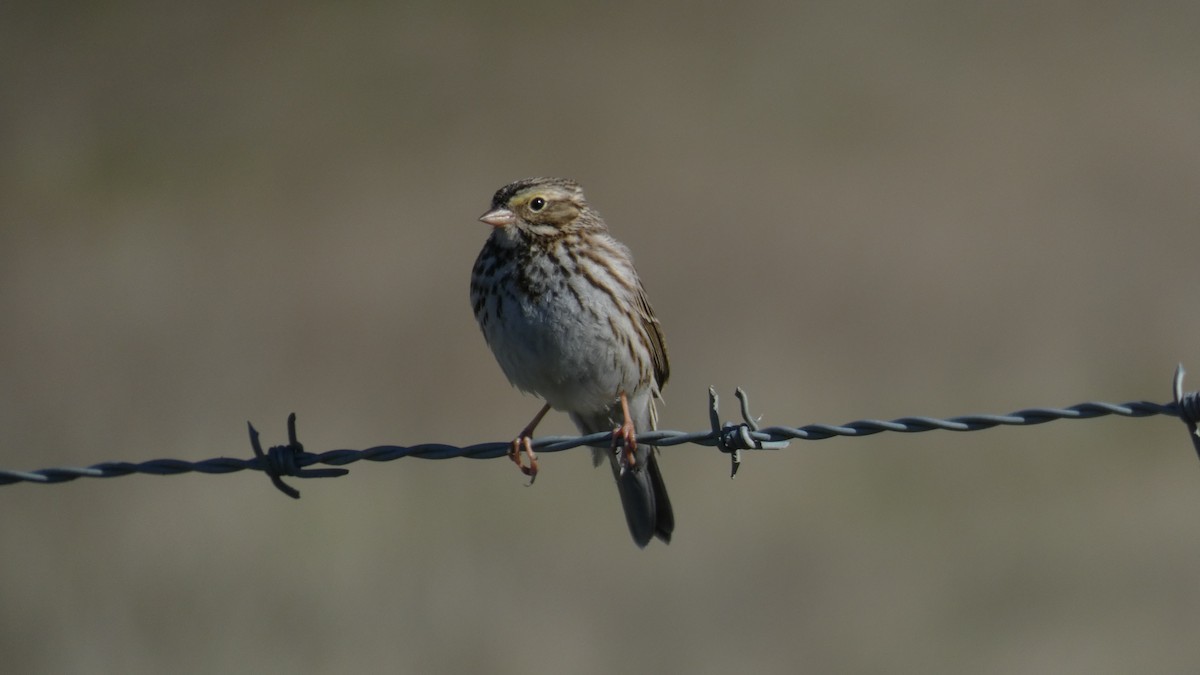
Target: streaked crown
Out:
[539,204]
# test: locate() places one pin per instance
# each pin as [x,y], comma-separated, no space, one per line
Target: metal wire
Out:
[729,437]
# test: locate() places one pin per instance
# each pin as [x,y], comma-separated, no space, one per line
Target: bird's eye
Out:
[537,204]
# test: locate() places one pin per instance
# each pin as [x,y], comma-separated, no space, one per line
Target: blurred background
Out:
[221,212]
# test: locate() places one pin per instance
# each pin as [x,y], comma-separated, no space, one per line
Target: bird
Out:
[566,316]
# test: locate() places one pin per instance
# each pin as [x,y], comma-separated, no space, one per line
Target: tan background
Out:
[217,213]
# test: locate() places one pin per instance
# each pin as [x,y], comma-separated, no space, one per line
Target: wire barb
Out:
[1188,406]
[714,418]
[287,460]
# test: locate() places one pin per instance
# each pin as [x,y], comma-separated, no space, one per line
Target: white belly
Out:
[563,352]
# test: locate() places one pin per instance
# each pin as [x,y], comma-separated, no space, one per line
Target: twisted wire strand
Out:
[730,438]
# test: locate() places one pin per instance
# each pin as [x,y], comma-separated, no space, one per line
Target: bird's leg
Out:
[627,436]
[523,443]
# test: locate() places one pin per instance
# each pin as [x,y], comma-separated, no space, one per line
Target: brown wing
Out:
[658,344]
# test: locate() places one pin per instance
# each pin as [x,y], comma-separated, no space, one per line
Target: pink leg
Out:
[627,436]
[523,443]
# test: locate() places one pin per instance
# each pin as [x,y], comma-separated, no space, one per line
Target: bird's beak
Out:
[499,217]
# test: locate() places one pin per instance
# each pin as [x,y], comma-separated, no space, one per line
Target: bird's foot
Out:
[625,446]
[625,436]
[523,444]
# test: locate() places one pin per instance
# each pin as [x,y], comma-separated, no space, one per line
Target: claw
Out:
[523,443]
[626,437]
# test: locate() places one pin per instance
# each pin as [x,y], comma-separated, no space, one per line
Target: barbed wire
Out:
[731,438]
